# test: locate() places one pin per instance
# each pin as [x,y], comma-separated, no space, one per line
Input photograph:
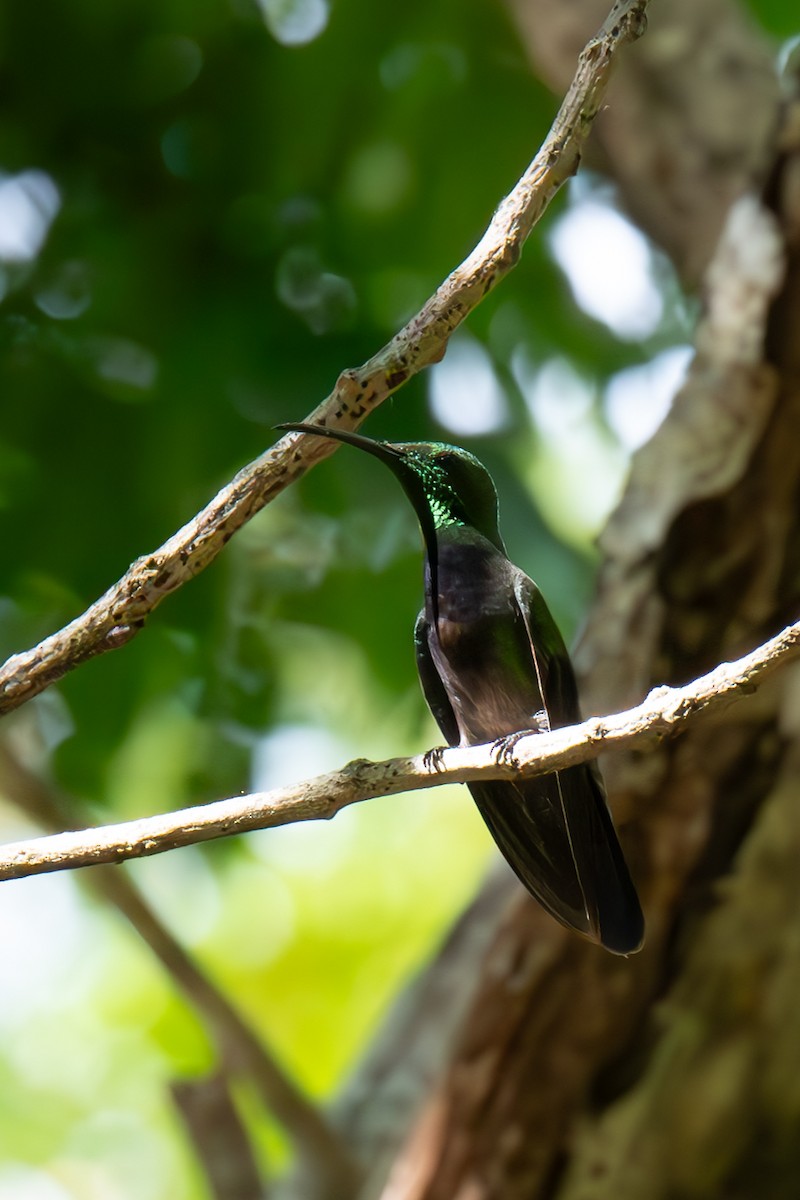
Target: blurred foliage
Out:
[207,209]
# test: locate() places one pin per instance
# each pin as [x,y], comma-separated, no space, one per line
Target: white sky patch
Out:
[28,1183]
[290,753]
[47,947]
[29,203]
[638,398]
[465,395]
[577,475]
[295,22]
[608,264]
[558,398]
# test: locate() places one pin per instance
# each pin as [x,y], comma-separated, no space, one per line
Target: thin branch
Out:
[219,1138]
[328,1168]
[121,612]
[663,713]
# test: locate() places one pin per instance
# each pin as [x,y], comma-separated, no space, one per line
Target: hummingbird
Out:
[492,663]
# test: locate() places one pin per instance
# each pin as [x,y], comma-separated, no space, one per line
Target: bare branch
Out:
[663,713]
[219,1138]
[121,612]
[327,1168]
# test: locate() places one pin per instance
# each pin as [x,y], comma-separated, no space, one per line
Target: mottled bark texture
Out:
[673,1074]
[691,119]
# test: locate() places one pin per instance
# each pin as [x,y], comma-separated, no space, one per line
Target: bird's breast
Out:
[481,648]
[489,677]
[472,582]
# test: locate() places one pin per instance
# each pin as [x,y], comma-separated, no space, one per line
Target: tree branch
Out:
[327,1168]
[676,171]
[219,1138]
[120,613]
[663,713]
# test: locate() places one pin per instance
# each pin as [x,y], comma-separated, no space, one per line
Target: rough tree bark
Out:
[552,1069]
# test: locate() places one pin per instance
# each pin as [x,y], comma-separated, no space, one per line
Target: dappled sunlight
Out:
[465,394]
[295,22]
[576,470]
[637,399]
[609,265]
[26,1183]
[29,203]
[289,753]
[46,947]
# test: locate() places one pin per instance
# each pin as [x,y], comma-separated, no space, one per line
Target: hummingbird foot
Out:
[432,759]
[503,747]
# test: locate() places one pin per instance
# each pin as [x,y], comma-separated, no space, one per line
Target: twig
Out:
[324,1159]
[219,1138]
[663,713]
[321,1153]
[121,612]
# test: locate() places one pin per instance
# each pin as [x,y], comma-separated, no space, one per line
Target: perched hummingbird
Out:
[492,662]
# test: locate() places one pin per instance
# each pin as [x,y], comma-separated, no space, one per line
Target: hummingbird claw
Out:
[432,759]
[504,746]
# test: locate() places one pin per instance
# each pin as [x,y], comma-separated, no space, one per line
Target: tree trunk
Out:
[574,1074]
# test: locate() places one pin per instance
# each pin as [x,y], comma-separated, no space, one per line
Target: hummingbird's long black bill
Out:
[385,451]
[396,459]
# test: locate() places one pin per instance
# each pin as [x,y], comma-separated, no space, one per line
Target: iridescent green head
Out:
[447,486]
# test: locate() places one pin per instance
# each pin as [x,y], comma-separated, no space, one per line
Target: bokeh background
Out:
[208,208]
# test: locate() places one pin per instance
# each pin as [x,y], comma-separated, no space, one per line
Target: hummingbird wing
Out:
[433,688]
[555,831]
[611,903]
[556,834]
[525,819]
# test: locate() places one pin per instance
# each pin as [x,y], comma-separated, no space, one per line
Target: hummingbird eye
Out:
[447,458]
